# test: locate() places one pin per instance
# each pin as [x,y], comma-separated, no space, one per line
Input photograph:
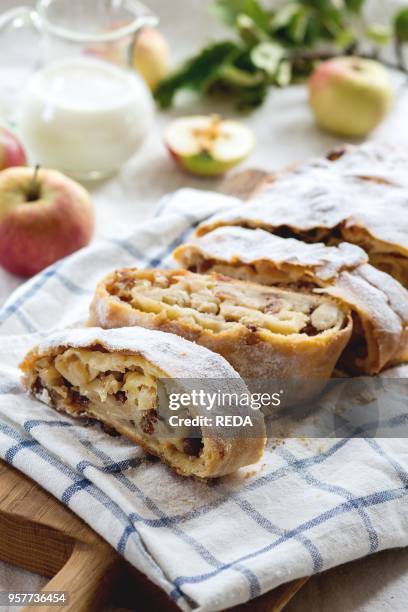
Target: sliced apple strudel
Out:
[317,203]
[122,379]
[379,302]
[263,332]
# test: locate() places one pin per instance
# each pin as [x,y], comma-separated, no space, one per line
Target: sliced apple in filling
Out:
[122,379]
[261,331]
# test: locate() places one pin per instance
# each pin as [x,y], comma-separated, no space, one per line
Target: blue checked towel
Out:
[307,506]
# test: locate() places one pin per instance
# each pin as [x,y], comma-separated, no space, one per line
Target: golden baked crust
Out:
[119,377]
[379,302]
[263,332]
[334,200]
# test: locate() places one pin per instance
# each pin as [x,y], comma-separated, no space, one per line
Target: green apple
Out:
[350,95]
[208,145]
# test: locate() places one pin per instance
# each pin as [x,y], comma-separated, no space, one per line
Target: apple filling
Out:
[263,272]
[217,303]
[122,391]
[380,254]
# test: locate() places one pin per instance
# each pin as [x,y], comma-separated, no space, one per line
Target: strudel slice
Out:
[122,378]
[379,303]
[261,257]
[263,332]
[317,203]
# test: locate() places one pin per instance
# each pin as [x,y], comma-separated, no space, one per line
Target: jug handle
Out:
[17,17]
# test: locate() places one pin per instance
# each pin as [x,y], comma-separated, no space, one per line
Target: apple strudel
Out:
[121,378]
[263,332]
[378,302]
[323,202]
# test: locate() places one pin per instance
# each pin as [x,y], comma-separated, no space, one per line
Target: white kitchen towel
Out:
[306,506]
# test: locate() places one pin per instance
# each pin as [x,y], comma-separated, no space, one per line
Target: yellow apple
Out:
[350,95]
[150,56]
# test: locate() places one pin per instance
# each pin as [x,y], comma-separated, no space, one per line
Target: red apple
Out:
[11,151]
[44,216]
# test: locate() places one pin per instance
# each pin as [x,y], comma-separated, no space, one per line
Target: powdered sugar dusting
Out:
[175,356]
[341,272]
[353,288]
[395,294]
[325,194]
[381,160]
[237,244]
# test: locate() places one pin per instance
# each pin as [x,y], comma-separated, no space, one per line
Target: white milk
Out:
[84,116]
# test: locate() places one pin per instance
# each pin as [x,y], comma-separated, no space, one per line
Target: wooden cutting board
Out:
[38,533]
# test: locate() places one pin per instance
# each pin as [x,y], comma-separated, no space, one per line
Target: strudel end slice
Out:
[121,378]
[317,203]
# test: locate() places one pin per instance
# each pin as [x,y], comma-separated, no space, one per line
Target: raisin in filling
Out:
[148,420]
[214,302]
[38,386]
[336,153]
[192,446]
[77,398]
[120,396]
[112,383]
[310,330]
[110,431]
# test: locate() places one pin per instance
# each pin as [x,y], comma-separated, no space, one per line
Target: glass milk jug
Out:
[85,111]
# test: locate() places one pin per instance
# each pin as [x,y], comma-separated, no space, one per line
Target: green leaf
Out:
[298,26]
[327,19]
[284,74]
[231,75]
[229,10]
[314,31]
[250,33]
[378,33]
[266,56]
[274,47]
[354,5]
[248,99]
[196,73]
[284,16]
[401,25]
[345,38]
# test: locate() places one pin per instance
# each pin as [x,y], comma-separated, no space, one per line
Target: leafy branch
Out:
[279,47]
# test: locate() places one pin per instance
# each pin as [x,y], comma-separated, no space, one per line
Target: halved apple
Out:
[208,145]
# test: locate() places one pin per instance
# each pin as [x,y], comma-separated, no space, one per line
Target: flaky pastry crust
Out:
[262,332]
[355,195]
[379,302]
[116,377]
